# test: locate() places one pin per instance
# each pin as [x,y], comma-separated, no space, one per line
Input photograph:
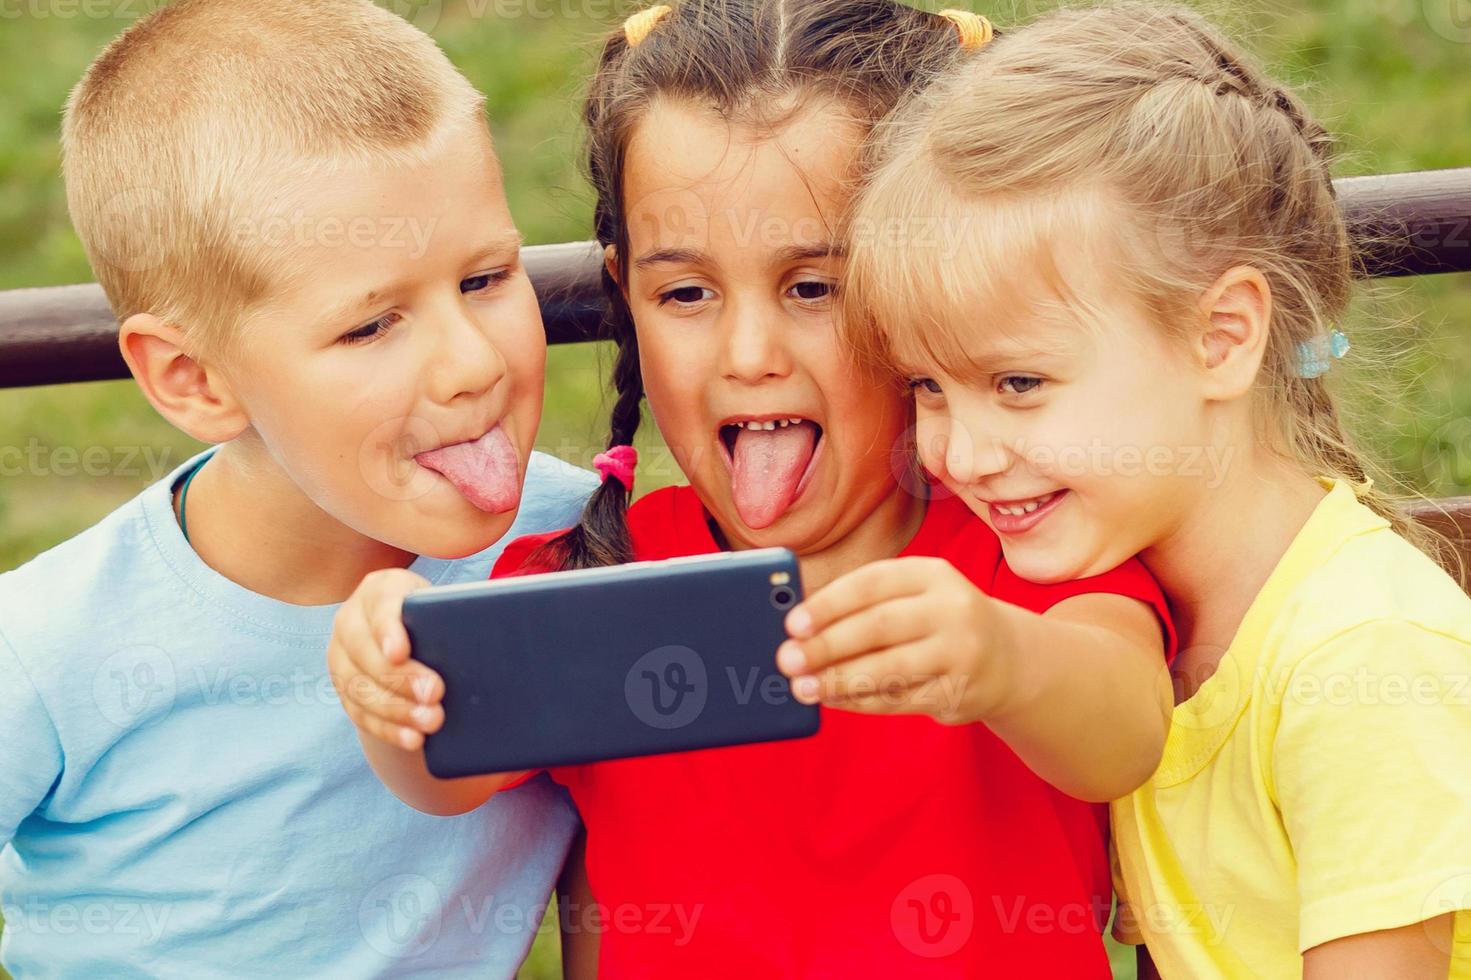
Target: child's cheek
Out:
[932,440]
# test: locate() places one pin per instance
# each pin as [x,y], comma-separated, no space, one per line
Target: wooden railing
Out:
[1402,224]
[58,334]
[1406,224]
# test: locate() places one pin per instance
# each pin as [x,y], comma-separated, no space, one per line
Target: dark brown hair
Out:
[736,58]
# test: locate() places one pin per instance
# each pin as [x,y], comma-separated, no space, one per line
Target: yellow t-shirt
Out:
[1318,785]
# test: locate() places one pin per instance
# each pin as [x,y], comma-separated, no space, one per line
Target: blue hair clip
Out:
[1315,357]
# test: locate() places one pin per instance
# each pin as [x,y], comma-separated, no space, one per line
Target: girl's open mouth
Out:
[771,460]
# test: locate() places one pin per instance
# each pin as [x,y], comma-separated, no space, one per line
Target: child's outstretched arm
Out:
[1080,693]
[395,701]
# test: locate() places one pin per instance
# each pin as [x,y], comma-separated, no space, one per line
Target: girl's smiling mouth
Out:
[771,459]
[1020,516]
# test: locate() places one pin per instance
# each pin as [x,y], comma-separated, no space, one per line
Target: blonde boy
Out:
[298,216]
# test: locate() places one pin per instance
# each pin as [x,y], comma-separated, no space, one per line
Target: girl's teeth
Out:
[1020,509]
[769,426]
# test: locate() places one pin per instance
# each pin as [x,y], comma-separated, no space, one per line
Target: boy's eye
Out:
[686,295]
[812,290]
[484,280]
[1019,384]
[371,330]
[928,385]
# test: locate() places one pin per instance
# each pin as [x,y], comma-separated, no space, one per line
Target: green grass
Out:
[1377,71]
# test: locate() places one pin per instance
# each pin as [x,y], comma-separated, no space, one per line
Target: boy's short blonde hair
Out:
[198,116]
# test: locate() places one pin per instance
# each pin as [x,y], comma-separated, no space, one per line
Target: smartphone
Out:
[606,663]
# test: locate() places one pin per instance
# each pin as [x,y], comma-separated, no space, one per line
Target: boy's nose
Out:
[468,361]
[754,347]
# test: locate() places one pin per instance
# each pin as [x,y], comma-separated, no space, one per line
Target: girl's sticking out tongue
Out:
[485,470]
[767,466]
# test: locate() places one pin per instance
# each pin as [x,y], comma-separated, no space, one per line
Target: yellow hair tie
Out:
[975,31]
[642,24]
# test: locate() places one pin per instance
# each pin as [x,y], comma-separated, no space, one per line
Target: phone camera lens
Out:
[783,598]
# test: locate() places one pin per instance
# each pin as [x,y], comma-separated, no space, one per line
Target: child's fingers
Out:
[354,659]
[367,696]
[351,631]
[877,627]
[407,739]
[383,598]
[876,683]
[869,585]
[916,699]
[361,647]
[413,682]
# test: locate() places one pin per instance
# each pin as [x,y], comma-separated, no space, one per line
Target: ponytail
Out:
[601,535]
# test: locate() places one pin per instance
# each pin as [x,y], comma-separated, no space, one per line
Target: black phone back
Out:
[606,663]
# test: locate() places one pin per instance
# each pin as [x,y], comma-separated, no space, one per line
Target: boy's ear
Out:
[191,395]
[1236,318]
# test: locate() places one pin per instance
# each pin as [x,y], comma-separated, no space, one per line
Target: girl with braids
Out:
[725,140]
[1152,272]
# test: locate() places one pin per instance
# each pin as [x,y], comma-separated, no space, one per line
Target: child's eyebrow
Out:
[820,250]
[982,360]
[1010,351]
[500,245]
[669,256]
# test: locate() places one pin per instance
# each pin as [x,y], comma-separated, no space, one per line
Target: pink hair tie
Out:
[618,462]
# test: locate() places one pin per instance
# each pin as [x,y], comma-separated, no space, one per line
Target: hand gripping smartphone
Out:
[606,663]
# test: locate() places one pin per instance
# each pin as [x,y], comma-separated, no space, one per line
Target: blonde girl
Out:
[1134,343]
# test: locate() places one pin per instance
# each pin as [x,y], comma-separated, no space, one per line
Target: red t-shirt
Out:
[883,846]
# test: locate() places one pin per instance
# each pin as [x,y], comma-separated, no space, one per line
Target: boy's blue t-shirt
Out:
[183,795]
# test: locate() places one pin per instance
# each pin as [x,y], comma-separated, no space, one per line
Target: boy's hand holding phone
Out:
[388,696]
[539,671]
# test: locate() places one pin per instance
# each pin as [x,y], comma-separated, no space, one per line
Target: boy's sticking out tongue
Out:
[766,469]
[484,470]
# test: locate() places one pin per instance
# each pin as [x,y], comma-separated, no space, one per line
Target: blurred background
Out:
[1390,76]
